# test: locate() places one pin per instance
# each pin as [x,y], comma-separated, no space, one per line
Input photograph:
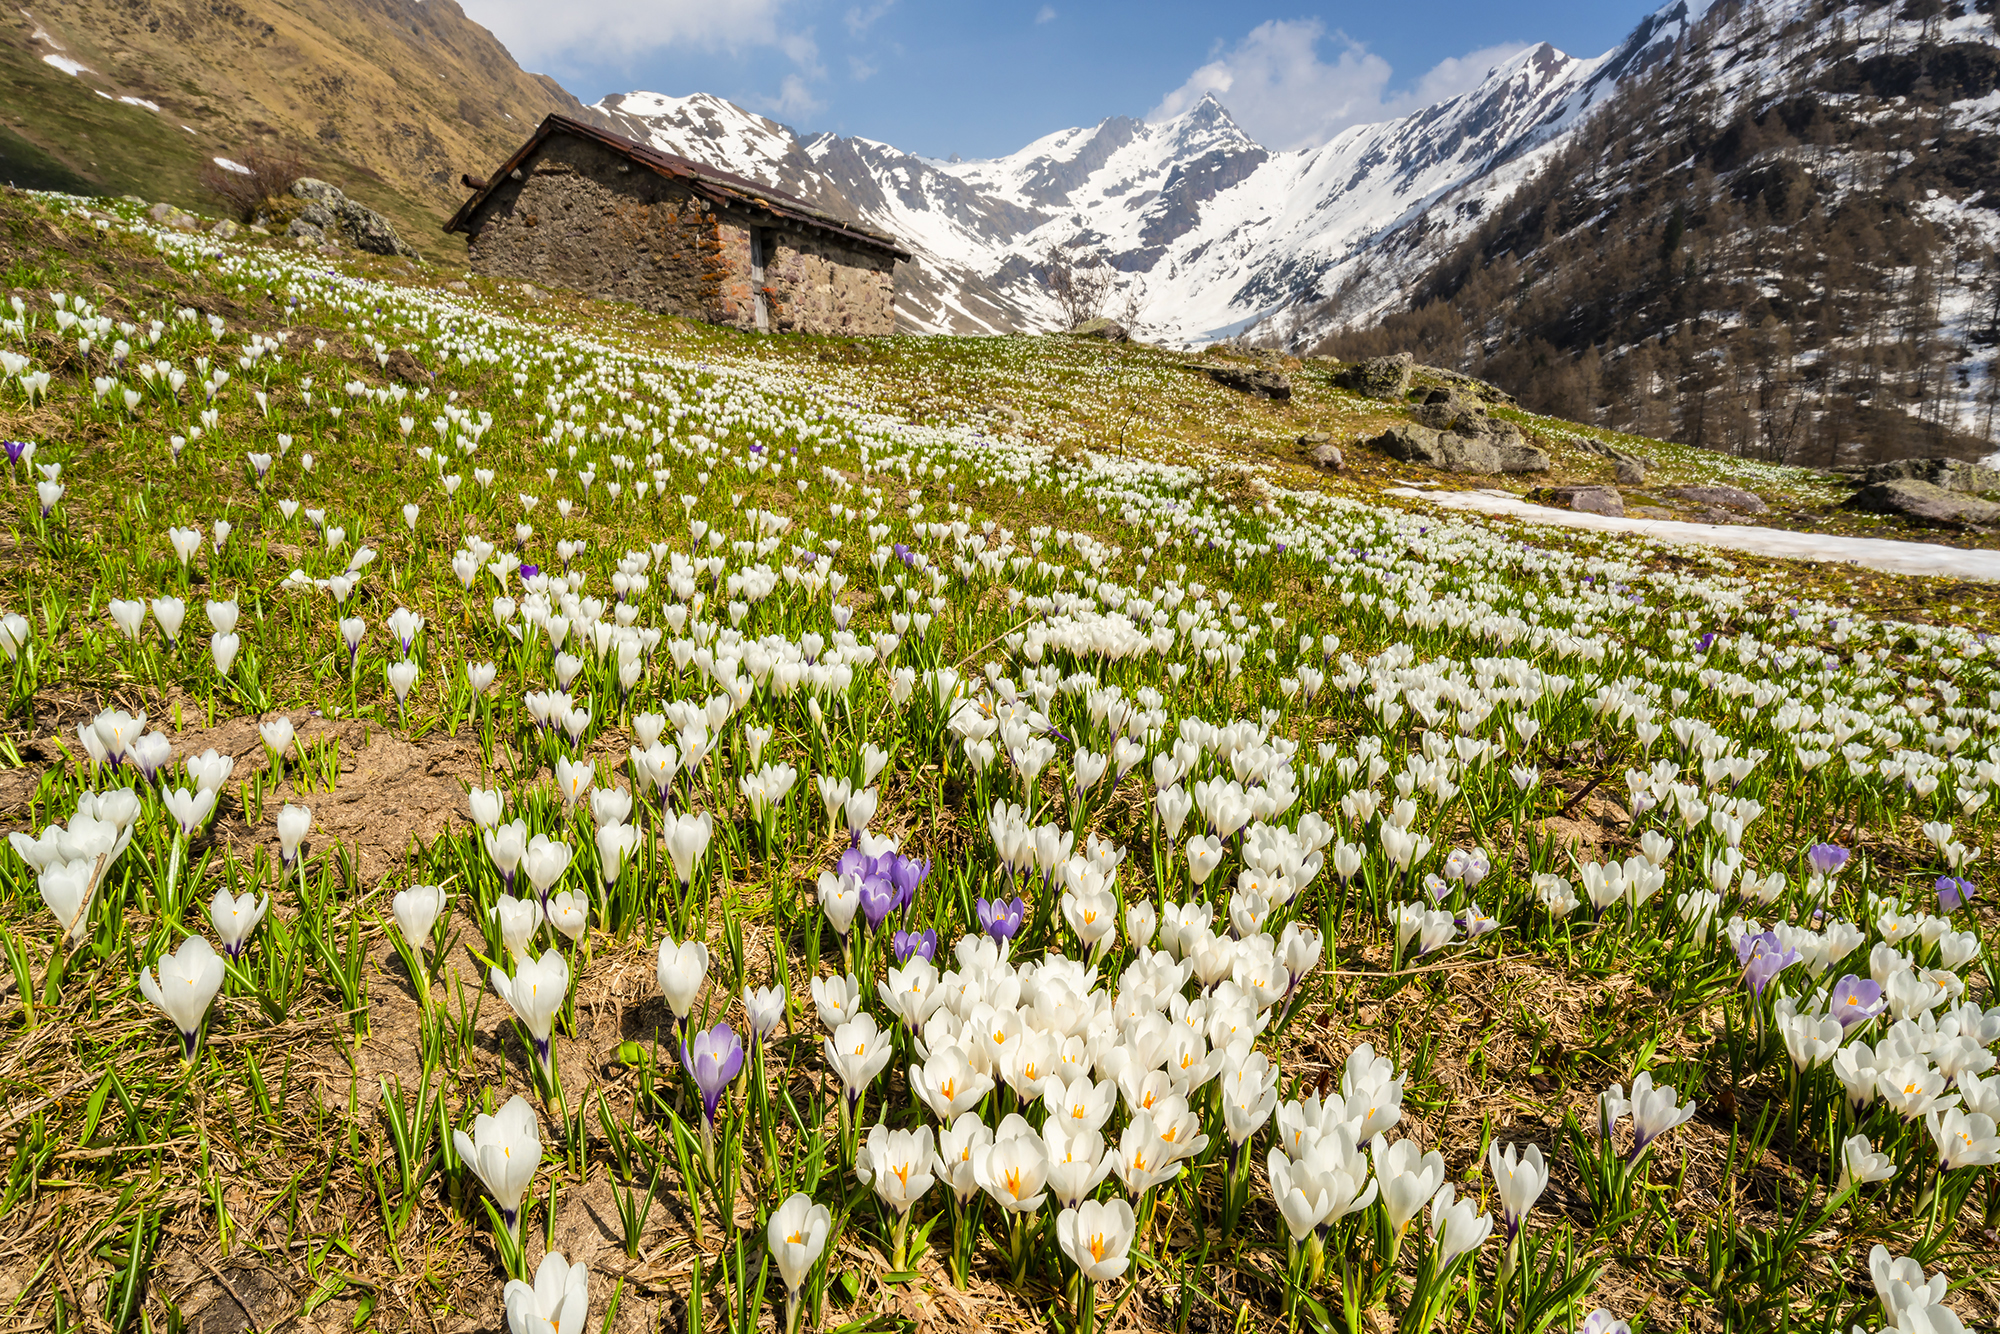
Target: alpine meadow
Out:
[718,730]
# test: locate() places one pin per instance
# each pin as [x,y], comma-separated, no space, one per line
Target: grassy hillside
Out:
[391,99]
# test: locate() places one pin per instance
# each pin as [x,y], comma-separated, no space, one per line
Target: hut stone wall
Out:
[587,218]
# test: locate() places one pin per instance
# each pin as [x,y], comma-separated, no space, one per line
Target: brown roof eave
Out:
[716,186]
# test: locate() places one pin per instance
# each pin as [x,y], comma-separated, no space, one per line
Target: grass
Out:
[301,1166]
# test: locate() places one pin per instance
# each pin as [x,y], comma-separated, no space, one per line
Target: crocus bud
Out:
[416,910]
[293,823]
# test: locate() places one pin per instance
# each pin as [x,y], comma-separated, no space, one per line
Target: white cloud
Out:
[803,51]
[863,70]
[1285,96]
[538,33]
[1047,14]
[795,99]
[861,18]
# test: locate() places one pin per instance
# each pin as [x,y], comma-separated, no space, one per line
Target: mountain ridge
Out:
[1211,233]
[1783,245]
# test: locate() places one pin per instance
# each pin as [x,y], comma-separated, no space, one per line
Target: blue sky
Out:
[984,79]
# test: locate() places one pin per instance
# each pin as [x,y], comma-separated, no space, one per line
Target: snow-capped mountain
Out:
[1776,243]
[1211,233]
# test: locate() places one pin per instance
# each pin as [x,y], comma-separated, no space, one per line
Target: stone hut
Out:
[582,208]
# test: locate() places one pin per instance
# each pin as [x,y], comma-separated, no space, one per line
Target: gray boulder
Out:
[1466,384]
[1926,501]
[1452,413]
[1378,377]
[1586,499]
[1725,497]
[335,214]
[1111,331]
[1448,451]
[305,231]
[1448,410]
[1320,450]
[1252,380]
[169,216]
[318,191]
[1946,474]
[1630,468]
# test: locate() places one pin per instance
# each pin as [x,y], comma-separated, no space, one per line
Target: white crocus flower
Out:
[235,917]
[188,981]
[795,1239]
[557,1302]
[503,1151]
[536,994]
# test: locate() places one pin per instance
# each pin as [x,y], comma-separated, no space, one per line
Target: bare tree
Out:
[265,175]
[1129,312]
[1079,283]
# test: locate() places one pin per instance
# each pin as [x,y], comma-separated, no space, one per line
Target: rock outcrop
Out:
[1462,414]
[168,216]
[1629,469]
[1585,499]
[330,215]
[1466,384]
[1321,452]
[1378,377]
[1448,451]
[1453,432]
[1945,474]
[1252,380]
[1926,502]
[1722,497]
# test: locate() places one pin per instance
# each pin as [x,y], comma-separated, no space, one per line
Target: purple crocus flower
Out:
[1002,918]
[529,571]
[1826,858]
[906,873]
[1702,645]
[713,1059]
[1856,1000]
[14,448]
[1763,957]
[907,944]
[878,900]
[1954,893]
